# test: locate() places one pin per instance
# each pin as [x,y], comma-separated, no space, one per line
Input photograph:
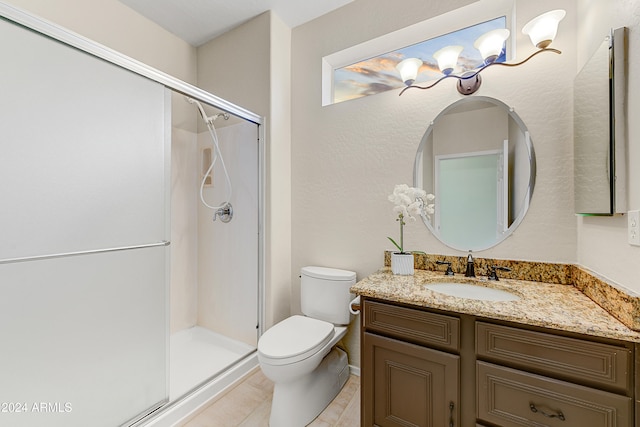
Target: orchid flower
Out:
[410,202]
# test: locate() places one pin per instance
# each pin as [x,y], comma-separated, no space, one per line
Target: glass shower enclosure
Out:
[109,268]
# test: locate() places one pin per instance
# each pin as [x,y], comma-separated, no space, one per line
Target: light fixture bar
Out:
[542,30]
[476,74]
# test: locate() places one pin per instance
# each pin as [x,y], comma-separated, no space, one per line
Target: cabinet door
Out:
[409,324]
[512,398]
[406,384]
[580,361]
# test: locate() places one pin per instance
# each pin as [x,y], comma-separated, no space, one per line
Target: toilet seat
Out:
[294,339]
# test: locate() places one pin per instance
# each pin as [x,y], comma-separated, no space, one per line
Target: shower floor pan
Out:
[197,354]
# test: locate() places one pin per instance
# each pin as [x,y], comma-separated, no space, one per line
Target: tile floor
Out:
[249,405]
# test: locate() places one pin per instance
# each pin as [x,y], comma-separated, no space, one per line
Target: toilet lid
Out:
[326,273]
[295,337]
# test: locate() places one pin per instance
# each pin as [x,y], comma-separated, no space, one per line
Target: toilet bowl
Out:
[298,354]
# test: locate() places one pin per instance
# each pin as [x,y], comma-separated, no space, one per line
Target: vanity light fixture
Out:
[409,70]
[447,58]
[541,30]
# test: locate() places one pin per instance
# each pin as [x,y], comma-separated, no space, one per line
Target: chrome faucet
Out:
[470,272]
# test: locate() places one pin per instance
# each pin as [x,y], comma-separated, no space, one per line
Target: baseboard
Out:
[354,370]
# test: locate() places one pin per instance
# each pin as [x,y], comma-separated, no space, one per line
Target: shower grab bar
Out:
[86,252]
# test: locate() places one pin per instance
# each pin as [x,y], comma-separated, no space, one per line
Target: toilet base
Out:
[297,403]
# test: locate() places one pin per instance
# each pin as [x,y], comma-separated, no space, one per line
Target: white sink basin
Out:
[468,291]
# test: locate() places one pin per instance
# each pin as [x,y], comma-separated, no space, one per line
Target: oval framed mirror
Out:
[477,159]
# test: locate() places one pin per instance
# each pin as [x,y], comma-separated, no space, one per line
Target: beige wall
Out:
[602,241]
[118,27]
[347,157]
[250,66]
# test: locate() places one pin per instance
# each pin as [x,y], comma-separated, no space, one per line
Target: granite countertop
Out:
[554,306]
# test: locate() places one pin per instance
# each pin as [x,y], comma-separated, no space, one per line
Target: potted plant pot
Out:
[402,263]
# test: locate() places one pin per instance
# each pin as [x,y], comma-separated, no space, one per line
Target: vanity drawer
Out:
[590,363]
[417,326]
[512,398]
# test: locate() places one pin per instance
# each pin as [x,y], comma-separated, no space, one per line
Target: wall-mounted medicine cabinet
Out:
[600,129]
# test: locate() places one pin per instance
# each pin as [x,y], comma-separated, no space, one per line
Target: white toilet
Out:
[297,354]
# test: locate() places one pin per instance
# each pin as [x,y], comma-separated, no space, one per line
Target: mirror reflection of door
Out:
[472,193]
[479,200]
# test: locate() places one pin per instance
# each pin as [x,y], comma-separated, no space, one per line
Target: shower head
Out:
[208,119]
[224,211]
[217,116]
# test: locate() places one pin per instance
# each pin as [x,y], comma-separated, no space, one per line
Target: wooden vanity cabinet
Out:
[426,368]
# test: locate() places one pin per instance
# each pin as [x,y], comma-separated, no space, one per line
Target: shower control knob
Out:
[225,213]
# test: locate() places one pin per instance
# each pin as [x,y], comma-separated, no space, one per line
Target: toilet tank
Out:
[324,293]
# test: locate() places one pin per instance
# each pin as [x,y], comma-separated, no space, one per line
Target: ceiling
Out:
[198,21]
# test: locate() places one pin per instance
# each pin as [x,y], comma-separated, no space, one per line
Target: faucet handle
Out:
[224,212]
[493,275]
[449,271]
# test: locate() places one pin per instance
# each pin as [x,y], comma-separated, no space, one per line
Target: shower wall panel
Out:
[228,253]
[184,228]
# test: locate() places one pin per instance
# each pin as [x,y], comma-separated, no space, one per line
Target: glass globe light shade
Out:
[447,58]
[409,70]
[542,29]
[490,44]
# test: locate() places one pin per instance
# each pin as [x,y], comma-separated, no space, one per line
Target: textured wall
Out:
[602,241]
[347,157]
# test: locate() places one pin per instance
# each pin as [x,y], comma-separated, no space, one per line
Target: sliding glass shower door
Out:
[84,226]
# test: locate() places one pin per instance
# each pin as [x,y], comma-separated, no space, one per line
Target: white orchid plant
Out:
[410,202]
